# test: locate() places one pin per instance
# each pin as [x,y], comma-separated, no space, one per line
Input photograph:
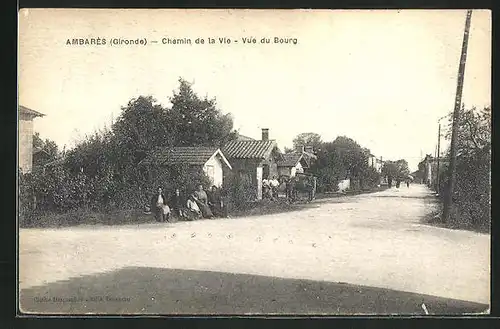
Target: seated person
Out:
[201,199]
[193,211]
[166,213]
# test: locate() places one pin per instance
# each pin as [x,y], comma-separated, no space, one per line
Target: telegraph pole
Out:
[438,156]
[448,200]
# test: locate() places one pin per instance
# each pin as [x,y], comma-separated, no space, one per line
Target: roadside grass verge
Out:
[127,217]
[433,218]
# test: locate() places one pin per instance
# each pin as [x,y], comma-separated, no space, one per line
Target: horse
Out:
[299,185]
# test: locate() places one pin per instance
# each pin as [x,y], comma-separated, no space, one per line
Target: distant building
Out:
[428,168]
[254,160]
[210,159]
[25,137]
[291,164]
[375,163]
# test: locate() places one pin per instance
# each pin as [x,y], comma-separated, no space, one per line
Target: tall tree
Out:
[198,121]
[307,139]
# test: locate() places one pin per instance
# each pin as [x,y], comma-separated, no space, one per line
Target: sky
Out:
[383,78]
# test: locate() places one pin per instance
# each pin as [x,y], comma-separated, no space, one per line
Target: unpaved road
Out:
[374,240]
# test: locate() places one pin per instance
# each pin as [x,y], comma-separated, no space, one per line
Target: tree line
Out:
[102,172]
[344,158]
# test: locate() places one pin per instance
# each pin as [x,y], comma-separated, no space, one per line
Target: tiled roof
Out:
[25,110]
[249,149]
[290,159]
[196,155]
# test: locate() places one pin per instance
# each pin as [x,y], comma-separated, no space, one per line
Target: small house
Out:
[254,160]
[307,156]
[210,159]
[292,164]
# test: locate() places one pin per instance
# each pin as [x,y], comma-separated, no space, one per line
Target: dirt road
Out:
[374,240]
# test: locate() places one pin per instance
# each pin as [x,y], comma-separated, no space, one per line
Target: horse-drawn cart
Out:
[297,188]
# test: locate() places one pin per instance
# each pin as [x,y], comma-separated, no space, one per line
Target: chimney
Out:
[309,149]
[300,149]
[265,134]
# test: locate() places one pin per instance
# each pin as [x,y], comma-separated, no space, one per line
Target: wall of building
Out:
[273,167]
[213,168]
[344,185]
[25,150]
[283,171]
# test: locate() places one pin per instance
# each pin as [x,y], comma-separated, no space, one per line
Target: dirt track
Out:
[374,240]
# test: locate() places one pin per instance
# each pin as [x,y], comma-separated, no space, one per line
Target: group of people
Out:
[398,182]
[270,188]
[199,204]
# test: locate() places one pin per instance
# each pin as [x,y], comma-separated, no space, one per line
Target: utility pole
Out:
[448,200]
[438,158]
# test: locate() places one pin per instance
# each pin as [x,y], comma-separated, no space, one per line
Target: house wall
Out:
[25,145]
[251,171]
[429,173]
[290,171]
[284,171]
[213,168]
[245,169]
[344,185]
[298,169]
[273,167]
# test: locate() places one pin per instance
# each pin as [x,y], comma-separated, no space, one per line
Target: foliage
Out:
[102,173]
[49,149]
[197,121]
[472,194]
[343,158]
[239,192]
[307,139]
[396,169]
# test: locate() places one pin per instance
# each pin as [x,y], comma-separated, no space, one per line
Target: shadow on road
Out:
[418,197]
[146,290]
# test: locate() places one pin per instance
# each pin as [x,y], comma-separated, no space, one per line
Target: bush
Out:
[238,192]
[64,198]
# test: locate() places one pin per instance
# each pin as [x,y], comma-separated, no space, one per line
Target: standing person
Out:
[215,201]
[274,187]
[408,183]
[202,201]
[398,183]
[158,202]
[265,188]
[291,189]
[176,204]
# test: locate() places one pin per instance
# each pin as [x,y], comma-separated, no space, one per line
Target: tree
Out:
[343,158]
[49,149]
[102,171]
[396,169]
[472,194]
[307,139]
[474,131]
[196,121]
